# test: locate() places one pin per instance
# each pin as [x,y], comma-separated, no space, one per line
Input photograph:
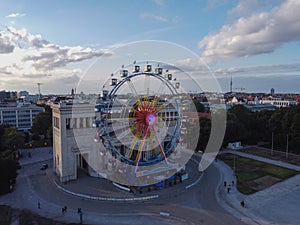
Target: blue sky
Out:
[54,42]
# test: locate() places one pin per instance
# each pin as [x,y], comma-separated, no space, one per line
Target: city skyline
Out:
[55,43]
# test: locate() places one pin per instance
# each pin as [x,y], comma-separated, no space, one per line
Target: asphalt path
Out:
[197,205]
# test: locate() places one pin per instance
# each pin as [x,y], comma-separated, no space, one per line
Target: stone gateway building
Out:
[74,147]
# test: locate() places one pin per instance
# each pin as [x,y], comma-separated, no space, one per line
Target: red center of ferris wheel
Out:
[145,116]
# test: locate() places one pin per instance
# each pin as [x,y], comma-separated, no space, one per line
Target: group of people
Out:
[228,186]
[64,210]
[228,191]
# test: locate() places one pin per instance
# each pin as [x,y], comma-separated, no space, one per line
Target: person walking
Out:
[243,204]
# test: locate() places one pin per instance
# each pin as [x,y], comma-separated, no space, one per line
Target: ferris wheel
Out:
[139,114]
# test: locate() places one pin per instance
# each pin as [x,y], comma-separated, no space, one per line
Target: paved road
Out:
[197,205]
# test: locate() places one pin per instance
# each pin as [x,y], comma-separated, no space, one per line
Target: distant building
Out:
[272,91]
[31,98]
[260,107]
[23,93]
[278,102]
[4,95]
[20,117]
[235,145]
[8,95]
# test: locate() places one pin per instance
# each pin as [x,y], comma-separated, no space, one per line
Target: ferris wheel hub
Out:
[151,119]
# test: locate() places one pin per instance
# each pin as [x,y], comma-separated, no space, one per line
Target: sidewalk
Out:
[278,204]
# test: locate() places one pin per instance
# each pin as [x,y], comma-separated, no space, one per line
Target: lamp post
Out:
[233,164]
[272,148]
[287,147]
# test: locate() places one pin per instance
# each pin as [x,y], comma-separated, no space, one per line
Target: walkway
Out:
[278,204]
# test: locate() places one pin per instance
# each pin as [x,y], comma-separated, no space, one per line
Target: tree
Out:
[295,134]
[205,128]
[50,132]
[199,106]
[241,126]
[41,123]
[11,138]
[263,127]
[8,171]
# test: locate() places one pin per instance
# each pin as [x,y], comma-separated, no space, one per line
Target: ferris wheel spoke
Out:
[125,120]
[147,84]
[152,143]
[129,107]
[154,101]
[132,88]
[160,125]
[138,158]
[125,133]
[161,87]
[163,106]
[135,139]
[160,146]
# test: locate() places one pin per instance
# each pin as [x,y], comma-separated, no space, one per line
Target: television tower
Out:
[39,89]
[231,84]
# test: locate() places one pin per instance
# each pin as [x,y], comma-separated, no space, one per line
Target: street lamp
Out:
[233,164]
[272,143]
[287,147]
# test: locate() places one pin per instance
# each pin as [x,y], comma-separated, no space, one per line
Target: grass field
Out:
[253,176]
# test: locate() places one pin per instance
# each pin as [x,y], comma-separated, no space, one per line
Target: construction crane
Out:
[39,89]
[240,89]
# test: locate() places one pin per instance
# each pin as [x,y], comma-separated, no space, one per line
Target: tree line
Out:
[255,127]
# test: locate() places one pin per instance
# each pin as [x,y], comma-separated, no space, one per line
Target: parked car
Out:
[44,166]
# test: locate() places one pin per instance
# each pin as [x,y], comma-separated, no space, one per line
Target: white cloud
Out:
[15,15]
[198,68]
[159,2]
[191,64]
[247,7]
[256,34]
[216,3]
[154,17]
[27,58]
[5,45]
[265,70]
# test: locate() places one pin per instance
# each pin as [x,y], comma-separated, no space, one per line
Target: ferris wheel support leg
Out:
[160,147]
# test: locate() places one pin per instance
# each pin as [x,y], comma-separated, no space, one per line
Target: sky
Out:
[55,42]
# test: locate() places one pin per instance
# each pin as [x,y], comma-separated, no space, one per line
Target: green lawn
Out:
[249,170]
